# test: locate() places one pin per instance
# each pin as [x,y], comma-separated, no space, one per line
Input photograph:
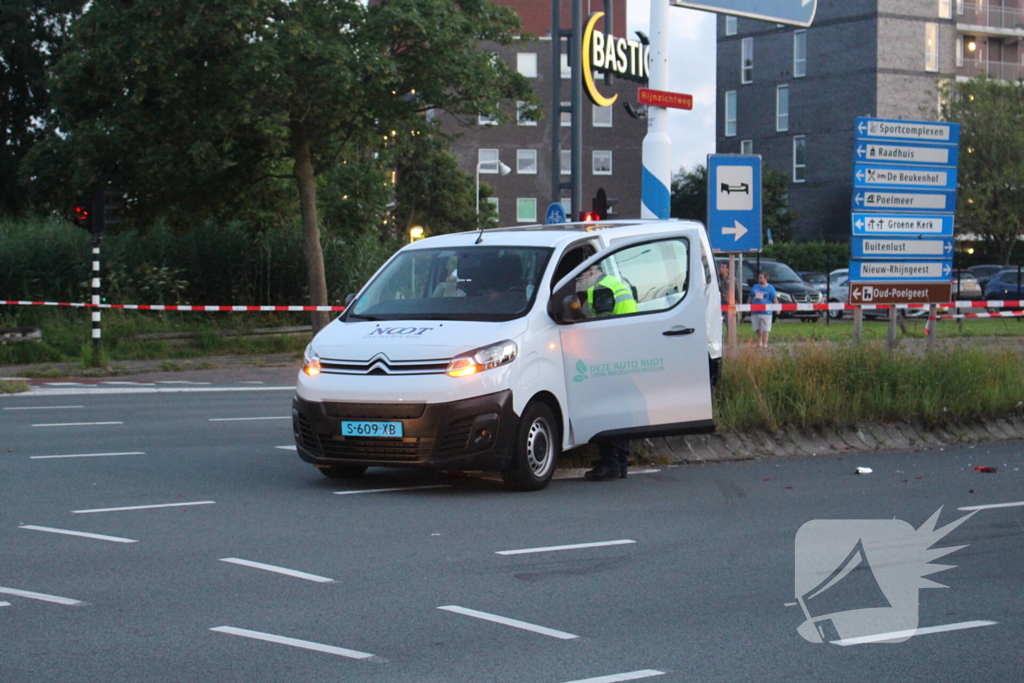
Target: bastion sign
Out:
[607,54]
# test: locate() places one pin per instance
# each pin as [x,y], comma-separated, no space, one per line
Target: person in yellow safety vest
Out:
[607,295]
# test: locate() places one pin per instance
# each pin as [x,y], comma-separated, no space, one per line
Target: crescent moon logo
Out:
[588,72]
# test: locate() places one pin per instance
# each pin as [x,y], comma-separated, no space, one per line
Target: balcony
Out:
[988,18]
[1002,71]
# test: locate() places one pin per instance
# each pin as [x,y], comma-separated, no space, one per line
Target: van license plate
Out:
[362,428]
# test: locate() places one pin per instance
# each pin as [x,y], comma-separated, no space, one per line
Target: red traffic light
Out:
[82,215]
[590,216]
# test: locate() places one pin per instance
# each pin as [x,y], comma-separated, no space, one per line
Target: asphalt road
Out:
[257,568]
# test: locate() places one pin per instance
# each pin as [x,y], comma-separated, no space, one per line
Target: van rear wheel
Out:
[535,450]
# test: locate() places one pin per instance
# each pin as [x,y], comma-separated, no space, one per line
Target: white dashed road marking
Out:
[881,637]
[615,678]
[515,623]
[277,570]
[43,407]
[67,532]
[245,419]
[77,424]
[554,548]
[402,488]
[991,507]
[286,448]
[38,596]
[83,455]
[145,507]
[294,642]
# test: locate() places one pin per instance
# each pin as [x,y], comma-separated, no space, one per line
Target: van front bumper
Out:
[470,434]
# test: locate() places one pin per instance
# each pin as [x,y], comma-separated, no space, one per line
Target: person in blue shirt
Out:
[762,293]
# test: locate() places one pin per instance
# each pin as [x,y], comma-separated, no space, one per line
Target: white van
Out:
[492,350]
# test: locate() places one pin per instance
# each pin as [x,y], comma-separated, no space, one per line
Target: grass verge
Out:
[827,386]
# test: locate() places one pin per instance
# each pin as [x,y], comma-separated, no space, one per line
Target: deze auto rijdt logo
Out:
[626,367]
[398,331]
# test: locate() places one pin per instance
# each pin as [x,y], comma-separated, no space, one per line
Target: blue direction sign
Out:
[794,12]
[734,202]
[908,131]
[879,224]
[876,176]
[906,153]
[901,271]
[555,215]
[904,200]
[891,248]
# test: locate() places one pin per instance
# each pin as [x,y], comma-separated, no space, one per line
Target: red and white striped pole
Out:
[96,311]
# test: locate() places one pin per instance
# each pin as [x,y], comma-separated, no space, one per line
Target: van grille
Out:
[375,411]
[382,365]
[457,436]
[370,448]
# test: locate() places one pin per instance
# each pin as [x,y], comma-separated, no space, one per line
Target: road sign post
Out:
[903,200]
[734,202]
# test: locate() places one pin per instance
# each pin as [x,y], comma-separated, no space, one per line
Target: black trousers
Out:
[614,452]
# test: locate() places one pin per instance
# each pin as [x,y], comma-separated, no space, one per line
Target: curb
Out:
[892,436]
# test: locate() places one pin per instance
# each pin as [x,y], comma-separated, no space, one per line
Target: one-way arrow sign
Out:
[793,12]
[737,229]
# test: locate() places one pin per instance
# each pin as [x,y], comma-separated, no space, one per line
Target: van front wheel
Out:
[536,448]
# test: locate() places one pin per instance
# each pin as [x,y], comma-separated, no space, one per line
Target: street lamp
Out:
[415,233]
[502,169]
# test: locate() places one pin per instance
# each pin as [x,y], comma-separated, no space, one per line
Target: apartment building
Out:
[612,140]
[791,95]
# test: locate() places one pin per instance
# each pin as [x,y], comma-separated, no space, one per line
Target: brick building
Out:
[791,95]
[612,140]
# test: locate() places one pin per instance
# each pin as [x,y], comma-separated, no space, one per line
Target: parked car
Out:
[965,286]
[839,293]
[1006,284]
[984,273]
[817,280]
[838,275]
[791,289]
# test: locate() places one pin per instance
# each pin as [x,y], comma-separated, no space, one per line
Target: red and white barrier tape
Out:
[146,307]
[740,308]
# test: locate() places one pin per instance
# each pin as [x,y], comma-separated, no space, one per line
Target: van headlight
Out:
[311,362]
[481,359]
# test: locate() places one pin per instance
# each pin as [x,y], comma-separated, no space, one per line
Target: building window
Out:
[526,64]
[959,6]
[799,54]
[746,146]
[526,161]
[566,161]
[602,117]
[799,158]
[487,121]
[487,160]
[747,61]
[730,25]
[494,202]
[566,203]
[602,164]
[522,110]
[566,70]
[526,210]
[565,117]
[959,50]
[782,108]
[946,9]
[931,47]
[730,113]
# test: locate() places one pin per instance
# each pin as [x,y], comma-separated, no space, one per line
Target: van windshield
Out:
[486,283]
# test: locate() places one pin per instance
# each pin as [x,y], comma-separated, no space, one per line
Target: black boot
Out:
[602,472]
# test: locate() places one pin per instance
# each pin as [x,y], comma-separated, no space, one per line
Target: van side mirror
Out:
[565,309]
[348,298]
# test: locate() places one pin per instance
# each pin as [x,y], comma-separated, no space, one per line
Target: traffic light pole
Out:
[97,332]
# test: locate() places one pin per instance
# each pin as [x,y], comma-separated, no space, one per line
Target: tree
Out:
[690,200]
[32,38]
[990,181]
[214,103]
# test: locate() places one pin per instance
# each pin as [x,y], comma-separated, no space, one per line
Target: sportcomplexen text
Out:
[906,130]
